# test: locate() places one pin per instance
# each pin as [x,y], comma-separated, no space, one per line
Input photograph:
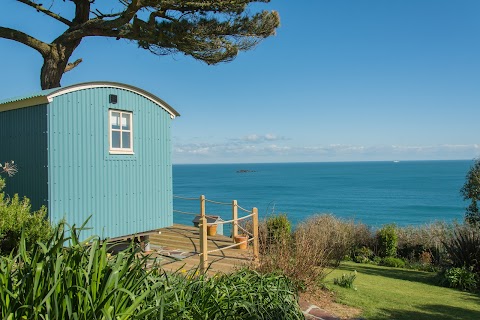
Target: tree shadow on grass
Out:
[401,274]
[428,312]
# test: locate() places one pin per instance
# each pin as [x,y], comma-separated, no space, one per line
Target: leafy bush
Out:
[318,243]
[387,241]
[15,217]
[346,281]
[377,260]
[471,191]
[279,229]
[463,248]
[363,236]
[64,278]
[393,262]
[363,255]
[461,278]
[413,241]
[244,294]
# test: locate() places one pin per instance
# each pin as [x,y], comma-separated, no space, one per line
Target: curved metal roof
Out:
[47,96]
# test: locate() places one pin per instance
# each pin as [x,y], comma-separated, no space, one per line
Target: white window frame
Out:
[110,130]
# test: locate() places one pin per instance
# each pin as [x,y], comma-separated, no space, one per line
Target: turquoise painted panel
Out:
[124,194]
[23,139]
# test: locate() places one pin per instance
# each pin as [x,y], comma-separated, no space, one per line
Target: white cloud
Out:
[259,138]
[260,148]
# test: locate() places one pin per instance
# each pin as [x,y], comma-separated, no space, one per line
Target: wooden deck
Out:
[177,248]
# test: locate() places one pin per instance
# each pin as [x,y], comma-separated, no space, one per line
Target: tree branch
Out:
[25,39]
[72,65]
[44,10]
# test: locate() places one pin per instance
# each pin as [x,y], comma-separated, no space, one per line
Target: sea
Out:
[374,193]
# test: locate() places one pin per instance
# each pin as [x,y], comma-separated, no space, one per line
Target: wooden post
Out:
[234,218]
[203,236]
[255,234]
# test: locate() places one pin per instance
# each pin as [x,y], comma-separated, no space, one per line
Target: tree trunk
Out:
[54,64]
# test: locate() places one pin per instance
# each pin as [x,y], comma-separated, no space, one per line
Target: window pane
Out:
[115,139]
[126,140]
[125,121]
[115,120]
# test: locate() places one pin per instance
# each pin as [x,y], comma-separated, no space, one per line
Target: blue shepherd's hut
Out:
[99,149]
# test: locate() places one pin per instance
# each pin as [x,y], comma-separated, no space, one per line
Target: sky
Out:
[342,80]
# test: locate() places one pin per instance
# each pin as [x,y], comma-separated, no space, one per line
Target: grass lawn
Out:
[391,293]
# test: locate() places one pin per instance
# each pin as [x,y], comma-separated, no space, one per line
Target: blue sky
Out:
[343,80]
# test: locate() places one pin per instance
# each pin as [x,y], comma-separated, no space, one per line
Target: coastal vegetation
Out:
[320,243]
[16,217]
[471,191]
[65,278]
[390,272]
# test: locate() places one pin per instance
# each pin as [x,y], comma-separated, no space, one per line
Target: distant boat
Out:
[395,161]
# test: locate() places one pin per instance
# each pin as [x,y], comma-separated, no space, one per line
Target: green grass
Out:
[391,293]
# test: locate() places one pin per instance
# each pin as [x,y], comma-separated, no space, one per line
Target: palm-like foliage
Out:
[65,278]
[75,282]
[463,248]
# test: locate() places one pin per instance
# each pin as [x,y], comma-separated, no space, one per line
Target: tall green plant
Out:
[471,191]
[65,278]
[387,241]
[279,228]
[16,216]
[463,248]
[74,282]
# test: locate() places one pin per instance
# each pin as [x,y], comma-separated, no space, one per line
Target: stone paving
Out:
[312,312]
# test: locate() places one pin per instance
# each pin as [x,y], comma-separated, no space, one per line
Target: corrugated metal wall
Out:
[23,139]
[125,194]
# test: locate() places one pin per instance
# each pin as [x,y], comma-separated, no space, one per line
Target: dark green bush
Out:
[387,241]
[16,216]
[393,262]
[244,294]
[460,278]
[363,255]
[279,228]
[463,248]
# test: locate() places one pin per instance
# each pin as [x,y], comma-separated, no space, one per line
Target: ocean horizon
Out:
[372,192]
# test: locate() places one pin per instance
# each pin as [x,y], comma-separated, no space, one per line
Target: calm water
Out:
[376,193]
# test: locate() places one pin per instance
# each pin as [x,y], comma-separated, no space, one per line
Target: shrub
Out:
[317,243]
[387,241]
[377,260]
[463,248]
[279,229]
[245,294]
[15,217]
[393,262]
[363,255]
[413,241]
[471,191]
[460,278]
[363,236]
[82,281]
[346,281]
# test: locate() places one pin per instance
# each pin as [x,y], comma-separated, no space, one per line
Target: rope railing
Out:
[184,198]
[217,202]
[203,227]
[184,212]
[242,208]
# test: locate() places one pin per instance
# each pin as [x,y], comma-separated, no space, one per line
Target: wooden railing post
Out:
[234,218]
[255,234]
[203,236]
